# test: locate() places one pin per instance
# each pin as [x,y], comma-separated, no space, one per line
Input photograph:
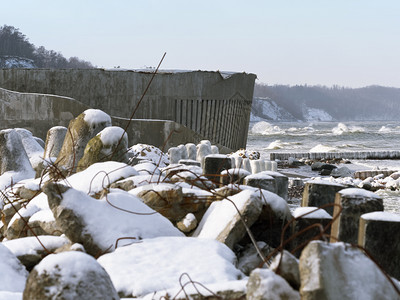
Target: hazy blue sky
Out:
[346,42]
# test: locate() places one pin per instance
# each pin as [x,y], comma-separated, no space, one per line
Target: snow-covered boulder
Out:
[148,152]
[69,275]
[264,284]
[249,258]
[31,250]
[147,168]
[33,149]
[342,172]
[101,225]
[287,266]
[234,175]
[14,163]
[340,271]
[110,144]
[132,182]
[13,274]
[80,130]
[161,263]
[222,221]
[264,212]
[165,198]
[99,176]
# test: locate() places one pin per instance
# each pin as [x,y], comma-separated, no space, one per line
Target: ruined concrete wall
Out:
[214,107]
[36,112]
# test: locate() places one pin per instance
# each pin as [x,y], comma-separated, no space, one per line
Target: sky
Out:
[351,43]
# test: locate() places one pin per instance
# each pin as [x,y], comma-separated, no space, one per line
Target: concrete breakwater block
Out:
[282,183]
[320,192]
[214,164]
[353,203]
[234,175]
[305,219]
[372,173]
[262,181]
[54,141]
[379,235]
[340,271]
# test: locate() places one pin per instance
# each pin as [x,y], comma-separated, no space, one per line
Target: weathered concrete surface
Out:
[216,107]
[163,134]
[36,112]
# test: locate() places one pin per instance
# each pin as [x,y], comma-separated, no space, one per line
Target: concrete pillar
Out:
[379,235]
[261,181]
[246,164]
[54,141]
[305,217]
[255,166]
[320,192]
[274,166]
[214,164]
[191,150]
[354,202]
[239,162]
[268,165]
[282,182]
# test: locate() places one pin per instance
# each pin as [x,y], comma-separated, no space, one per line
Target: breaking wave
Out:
[342,128]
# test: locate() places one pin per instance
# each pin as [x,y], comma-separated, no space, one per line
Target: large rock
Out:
[32,148]
[264,284]
[340,271]
[80,130]
[351,204]
[69,275]
[224,219]
[110,144]
[287,266]
[31,250]
[164,263]
[13,155]
[101,225]
[249,258]
[165,198]
[54,141]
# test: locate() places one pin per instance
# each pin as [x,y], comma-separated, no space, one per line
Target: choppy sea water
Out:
[267,137]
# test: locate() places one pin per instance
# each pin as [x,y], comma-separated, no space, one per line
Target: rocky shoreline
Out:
[86,215]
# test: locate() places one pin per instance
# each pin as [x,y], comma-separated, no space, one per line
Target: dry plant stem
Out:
[194,285]
[137,105]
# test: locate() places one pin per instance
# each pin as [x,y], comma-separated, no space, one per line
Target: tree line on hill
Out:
[367,103]
[14,43]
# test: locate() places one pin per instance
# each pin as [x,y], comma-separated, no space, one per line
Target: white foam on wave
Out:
[266,128]
[323,148]
[385,129]
[278,144]
[342,128]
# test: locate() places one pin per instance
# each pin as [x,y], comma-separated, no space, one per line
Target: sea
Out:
[269,136]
